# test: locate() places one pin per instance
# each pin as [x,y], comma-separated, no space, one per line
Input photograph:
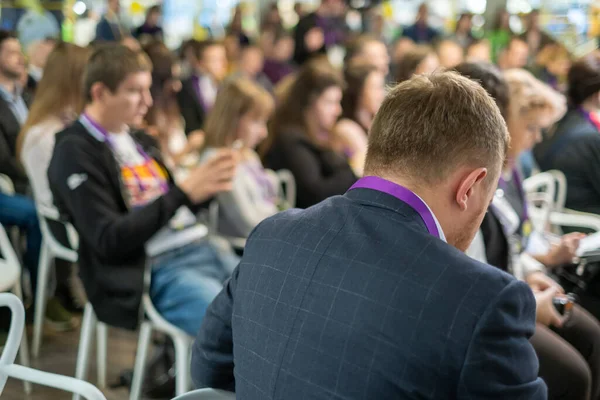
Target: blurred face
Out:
[252,129]
[517,55]
[525,132]
[451,54]
[376,53]
[114,6]
[327,108]
[214,62]
[479,53]
[428,65]
[373,92]
[12,62]
[41,53]
[130,102]
[154,18]
[401,47]
[464,24]
[252,62]
[284,49]
[559,67]
[423,13]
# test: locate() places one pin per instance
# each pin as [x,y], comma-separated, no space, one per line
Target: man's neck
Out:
[431,197]
[102,118]
[8,84]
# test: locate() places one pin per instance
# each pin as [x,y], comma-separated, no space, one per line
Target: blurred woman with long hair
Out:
[58,102]
[301,135]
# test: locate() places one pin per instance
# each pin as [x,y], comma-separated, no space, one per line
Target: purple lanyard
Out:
[588,116]
[403,194]
[90,124]
[519,185]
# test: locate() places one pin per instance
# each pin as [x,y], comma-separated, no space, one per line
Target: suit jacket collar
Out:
[374,198]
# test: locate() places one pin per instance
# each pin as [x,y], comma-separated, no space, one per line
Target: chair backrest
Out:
[58,249]
[207,394]
[9,369]
[10,267]
[561,189]
[6,185]
[288,184]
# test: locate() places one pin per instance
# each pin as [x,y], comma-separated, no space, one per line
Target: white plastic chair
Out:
[6,185]
[10,280]
[51,250]
[30,375]
[181,340]
[207,394]
[288,184]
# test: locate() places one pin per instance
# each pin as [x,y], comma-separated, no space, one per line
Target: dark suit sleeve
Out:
[94,210]
[189,109]
[9,164]
[212,354]
[500,362]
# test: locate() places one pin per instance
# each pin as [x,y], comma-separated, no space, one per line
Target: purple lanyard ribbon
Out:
[524,215]
[89,124]
[196,83]
[402,194]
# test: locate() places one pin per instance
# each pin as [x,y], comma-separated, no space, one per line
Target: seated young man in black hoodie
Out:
[130,215]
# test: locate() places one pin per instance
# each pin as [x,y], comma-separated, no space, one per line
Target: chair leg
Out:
[85,339]
[40,298]
[24,347]
[140,360]
[182,357]
[101,343]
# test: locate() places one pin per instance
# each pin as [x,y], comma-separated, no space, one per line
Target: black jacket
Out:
[85,181]
[320,173]
[574,149]
[9,131]
[191,108]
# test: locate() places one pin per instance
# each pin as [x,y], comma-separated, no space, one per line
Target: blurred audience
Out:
[239,120]
[277,63]
[552,66]
[499,35]
[110,28]
[251,66]
[574,145]
[515,55]
[199,91]
[150,29]
[363,94]
[479,51]
[366,49]
[164,121]
[301,137]
[420,60]
[13,107]
[463,32]
[421,32]
[535,38]
[236,28]
[37,56]
[450,54]
[321,30]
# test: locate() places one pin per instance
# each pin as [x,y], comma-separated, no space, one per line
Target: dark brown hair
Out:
[355,77]
[410,62]
[584,79]
[491,79]
[421,135]
[110,65]
[312,80]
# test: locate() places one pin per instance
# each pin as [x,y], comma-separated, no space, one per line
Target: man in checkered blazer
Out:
[369,295]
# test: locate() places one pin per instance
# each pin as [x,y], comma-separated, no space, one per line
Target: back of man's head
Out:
[491,79]
[430,126]
[110,65]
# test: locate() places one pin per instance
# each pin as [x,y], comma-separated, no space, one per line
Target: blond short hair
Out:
[430,125]
[528,94]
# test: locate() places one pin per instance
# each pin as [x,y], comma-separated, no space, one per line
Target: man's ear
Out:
[97,91]
[467,184]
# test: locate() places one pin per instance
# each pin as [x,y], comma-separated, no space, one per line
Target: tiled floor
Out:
[58,355]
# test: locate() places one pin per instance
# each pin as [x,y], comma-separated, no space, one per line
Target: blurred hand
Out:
[195,139]
[539,281]
[564,252]
[314,39]
[545,312]
[212,177]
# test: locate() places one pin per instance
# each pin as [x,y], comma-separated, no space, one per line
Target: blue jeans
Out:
[17,210]
[186,280]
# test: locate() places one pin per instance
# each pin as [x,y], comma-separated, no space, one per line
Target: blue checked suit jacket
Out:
[353,299]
